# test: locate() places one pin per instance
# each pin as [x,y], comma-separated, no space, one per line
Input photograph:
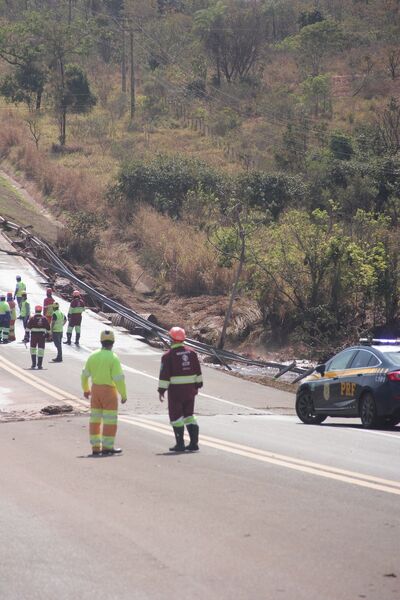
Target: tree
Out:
[318,95]
[322,272]
[73,96]
[314,43]
[233,35]
[230,234]
[19,48]
[341,146]
[388,123]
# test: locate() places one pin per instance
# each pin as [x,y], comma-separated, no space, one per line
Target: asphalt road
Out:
[268,509]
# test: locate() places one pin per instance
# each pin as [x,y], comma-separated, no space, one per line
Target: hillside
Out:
[256,146]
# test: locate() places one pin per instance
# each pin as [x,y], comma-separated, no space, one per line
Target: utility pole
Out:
[133,101]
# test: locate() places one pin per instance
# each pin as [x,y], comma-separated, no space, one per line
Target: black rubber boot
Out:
[180,445]
[77,338]
[193,431]
[33,357]
[40,362]
[110,451]
[69,336]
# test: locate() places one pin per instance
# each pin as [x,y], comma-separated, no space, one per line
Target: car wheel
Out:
[305,409]
[368,413]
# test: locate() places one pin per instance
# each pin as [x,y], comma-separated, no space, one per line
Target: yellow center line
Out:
[48,388]
[35,384]
[322,470]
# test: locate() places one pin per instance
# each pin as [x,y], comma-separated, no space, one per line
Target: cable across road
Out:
[54,264]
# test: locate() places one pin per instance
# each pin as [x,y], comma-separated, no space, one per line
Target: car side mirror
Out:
[320,369]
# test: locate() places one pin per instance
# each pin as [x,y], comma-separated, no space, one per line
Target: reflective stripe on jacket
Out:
[180,367]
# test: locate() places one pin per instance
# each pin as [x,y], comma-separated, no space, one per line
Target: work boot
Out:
[33,357]
[78,335]
[40,362]
[180,445]
[69,336]
[96,451]
[193,431]
[110,451]
[57,359]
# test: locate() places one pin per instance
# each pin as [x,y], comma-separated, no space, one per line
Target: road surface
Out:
[268,509]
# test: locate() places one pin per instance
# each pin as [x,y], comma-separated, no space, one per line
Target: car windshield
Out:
[394,357]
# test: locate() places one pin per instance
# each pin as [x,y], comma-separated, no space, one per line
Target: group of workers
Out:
[45,324]
[180,376]
[180,373]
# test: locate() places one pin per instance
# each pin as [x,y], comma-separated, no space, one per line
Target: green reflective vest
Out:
[104,368]
[21,287]
[25,309]
[4,307]
[58,321]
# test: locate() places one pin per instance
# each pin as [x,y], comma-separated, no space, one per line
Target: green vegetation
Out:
[244,147]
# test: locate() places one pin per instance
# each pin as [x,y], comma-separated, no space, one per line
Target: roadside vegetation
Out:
[245,149]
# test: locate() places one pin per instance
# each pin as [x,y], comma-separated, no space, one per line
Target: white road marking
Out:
[320,470]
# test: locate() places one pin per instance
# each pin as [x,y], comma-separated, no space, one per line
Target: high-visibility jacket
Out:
[5,313]
[104,368]
[38,324]
[13,310]
[75,311]
[25,309]
[180,372]
[20,287]
[58,321]
[48,306]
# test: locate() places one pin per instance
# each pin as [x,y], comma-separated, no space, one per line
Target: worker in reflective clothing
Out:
[5,318]
[25,313]
[180,374]
[75,311]
[13,316]
[57,325]
[105,370]
[39,328]
[19,289]
[48,303]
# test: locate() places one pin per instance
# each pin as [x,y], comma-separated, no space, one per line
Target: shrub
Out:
[179,255]
[163,183]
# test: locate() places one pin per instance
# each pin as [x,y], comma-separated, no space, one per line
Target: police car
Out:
[361,381]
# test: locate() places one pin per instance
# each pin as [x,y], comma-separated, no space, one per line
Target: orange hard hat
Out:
[38,308]
[177,334]
[76,293]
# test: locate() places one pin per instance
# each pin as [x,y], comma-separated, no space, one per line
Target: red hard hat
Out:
[49,291]
[177,334]
[38,308]
[76,293]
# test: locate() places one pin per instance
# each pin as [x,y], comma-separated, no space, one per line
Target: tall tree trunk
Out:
[228,314]
[123,64]
[133,100]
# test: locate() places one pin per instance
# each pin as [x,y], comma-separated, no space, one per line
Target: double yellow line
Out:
[368,481]
[312,468]
[36,382]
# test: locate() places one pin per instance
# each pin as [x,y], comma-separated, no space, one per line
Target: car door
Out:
[328,394]
[360,374]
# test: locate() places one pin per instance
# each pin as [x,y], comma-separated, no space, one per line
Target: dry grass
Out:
[179,255]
